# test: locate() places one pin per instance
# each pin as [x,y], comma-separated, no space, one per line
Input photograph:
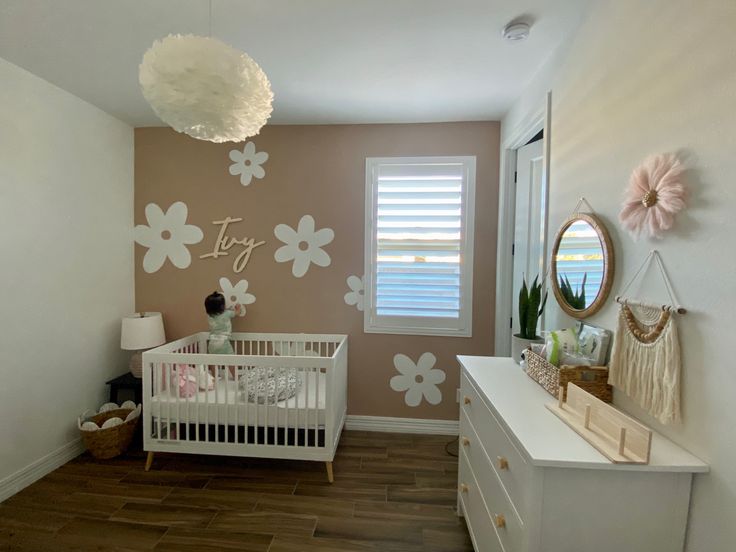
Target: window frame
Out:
[413,325]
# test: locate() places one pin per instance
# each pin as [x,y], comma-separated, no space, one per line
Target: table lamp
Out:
[141,331]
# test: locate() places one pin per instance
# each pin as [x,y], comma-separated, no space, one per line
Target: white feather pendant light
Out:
[205,88]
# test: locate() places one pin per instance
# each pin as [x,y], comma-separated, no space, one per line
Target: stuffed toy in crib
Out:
[269,385]
[189,379]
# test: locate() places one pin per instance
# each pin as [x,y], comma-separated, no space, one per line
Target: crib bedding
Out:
[226,405]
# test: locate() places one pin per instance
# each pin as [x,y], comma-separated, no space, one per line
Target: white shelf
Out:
[518,403]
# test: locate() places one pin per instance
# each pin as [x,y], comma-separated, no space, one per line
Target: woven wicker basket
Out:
[593,379]
[112,441]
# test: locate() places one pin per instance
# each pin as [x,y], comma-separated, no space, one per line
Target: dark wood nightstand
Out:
[126,382]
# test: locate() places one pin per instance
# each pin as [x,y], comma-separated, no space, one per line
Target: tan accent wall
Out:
[316,170]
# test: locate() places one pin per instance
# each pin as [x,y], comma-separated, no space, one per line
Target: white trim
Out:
[402,425]
[539,120]
[463,327]
[19,480]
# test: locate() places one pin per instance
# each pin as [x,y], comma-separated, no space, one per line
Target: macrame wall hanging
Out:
[645,362]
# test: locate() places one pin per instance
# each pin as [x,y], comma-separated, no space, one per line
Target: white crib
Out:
[224,421]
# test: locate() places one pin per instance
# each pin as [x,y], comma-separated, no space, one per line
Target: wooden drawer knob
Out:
[467,400]
[465,441]
[502,462]
[500,520]
[463,488]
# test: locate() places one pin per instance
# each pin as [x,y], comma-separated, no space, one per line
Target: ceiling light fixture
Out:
[205,88]
[516,30]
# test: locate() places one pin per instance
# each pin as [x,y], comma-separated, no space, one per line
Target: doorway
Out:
[522,225]
[529,247]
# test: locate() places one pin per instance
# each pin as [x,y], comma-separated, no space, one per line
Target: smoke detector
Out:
[516,30]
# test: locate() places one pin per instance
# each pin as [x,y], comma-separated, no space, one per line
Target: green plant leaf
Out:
[523,308]
[544,302]
[535,298]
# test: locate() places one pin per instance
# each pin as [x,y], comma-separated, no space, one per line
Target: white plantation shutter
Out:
[419,244]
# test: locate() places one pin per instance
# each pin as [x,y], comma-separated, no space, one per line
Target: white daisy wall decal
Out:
[247,163]
[419,380]
[355,296]
[236,294]
[303,245]
[166,236]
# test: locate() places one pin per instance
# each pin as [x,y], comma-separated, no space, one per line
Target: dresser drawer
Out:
[496,500]
[508,462]
[479,521]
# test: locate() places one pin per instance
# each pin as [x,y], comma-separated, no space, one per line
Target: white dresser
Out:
[529,483]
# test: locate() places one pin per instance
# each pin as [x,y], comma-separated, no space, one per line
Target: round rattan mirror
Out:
[582,265]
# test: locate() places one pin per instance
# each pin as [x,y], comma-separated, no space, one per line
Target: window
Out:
[419,245]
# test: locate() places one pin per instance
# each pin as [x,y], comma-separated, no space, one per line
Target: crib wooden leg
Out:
[330,476]
[149,460]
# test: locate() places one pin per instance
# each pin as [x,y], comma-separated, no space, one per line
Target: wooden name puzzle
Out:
[225,242]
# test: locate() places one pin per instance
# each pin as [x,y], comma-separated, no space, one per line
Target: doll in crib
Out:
[219,319]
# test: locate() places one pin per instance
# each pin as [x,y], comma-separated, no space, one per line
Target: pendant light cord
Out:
[210,35]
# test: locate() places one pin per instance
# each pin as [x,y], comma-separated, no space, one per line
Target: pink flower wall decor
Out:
[656,193]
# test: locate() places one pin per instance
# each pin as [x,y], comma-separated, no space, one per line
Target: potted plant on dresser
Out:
[531,307]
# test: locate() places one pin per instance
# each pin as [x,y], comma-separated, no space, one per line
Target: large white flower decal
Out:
[236,294]
[303,245]
[167,236]
[355,295]
[247,163]
[418,380]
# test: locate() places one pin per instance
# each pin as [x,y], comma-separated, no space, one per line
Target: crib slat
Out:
[157,382]
[316,408]
[236,401]
[168,402]
[286,424]
[227,401]
[188,416]
[207,414]
[306,409]
[257,400]
[178,402]
[217,403]
[248,420]
[263,402]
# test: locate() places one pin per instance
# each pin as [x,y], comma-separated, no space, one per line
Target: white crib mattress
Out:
[224,405]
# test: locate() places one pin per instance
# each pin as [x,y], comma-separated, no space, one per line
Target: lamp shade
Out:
[142,331]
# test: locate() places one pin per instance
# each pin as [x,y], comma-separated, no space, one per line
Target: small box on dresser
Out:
[529,483]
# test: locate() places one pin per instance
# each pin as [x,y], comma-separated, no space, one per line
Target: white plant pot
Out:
[520,344]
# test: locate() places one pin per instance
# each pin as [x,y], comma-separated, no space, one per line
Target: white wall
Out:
[66,215]
[640,78]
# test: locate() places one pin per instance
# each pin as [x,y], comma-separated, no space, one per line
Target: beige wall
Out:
[316,170]
[66,202]
[646,77]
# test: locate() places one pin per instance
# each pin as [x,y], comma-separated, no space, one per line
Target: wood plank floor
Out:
[392,493]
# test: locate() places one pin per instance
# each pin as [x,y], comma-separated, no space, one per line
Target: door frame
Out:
[538,120]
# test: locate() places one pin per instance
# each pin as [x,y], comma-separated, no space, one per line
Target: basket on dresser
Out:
[594,379]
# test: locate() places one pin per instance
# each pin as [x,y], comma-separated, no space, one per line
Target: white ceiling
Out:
[329,61]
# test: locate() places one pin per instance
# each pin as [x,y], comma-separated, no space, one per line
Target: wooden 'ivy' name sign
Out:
[225,242]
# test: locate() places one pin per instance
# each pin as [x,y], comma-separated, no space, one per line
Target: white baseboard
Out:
[22,478]
[403,425]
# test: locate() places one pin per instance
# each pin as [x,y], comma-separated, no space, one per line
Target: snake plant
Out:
[531,307]
[573,298]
